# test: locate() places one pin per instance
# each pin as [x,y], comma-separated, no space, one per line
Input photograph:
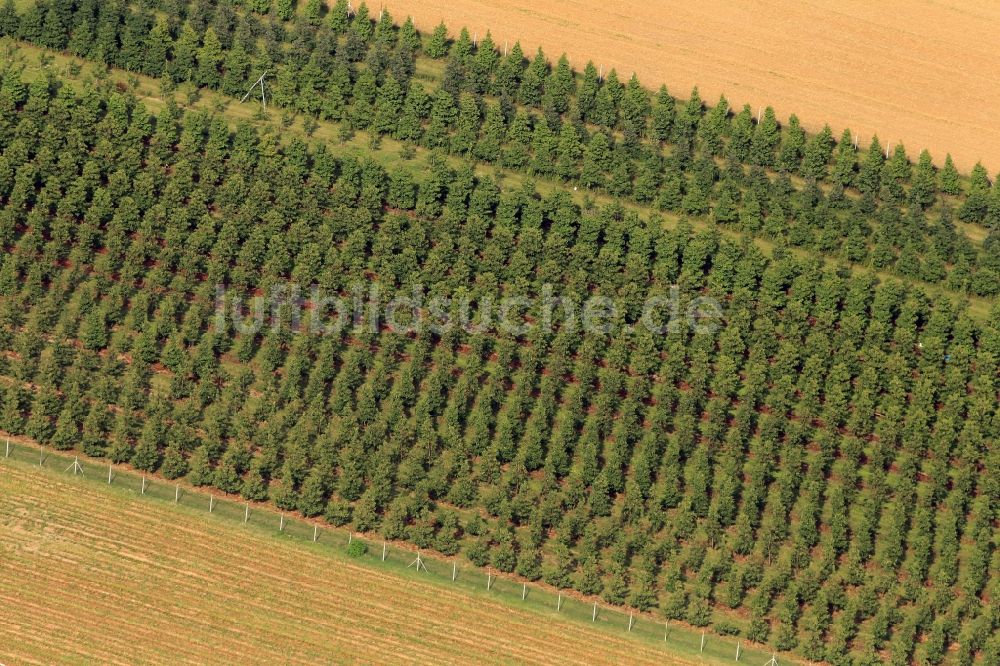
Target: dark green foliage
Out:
[811,466]
[9,20]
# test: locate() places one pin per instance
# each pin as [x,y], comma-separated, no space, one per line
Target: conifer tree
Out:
[146,455]
[263,6]
[338,19]
[361,24]
[635,108]
[54,32]
[924,189]
[313,11]
[870,175]
[185,53]
[515,152]
[817,154]
[158,45]
[976,203]
[543,145]
[409,38]
[388,106]
[94,436]
[437,44]
[741,135]
[950,181]
[492,136]
[790,155]
[285,9]
[663,115]
[67,433]
[560,85]
[589,87]
[32,24]
[466,126]
[713,126]
[174,463]
[533,81]
[10,21]
[844,160]
[255,485]
[766,139]
[209,59]
[312,496]
[507,80]
[200,467]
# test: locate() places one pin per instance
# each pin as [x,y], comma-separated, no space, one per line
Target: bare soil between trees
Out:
[920,72]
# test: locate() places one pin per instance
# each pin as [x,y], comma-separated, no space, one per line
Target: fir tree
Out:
[361,24]
[533,81]
[589,87]
[209,58]
[185,52]
[663,115]
[313,11]
[388,106]
[467,125]
[870,175]
[174,463]
[10,22]
[569,152]
[635,108]
[67,434]
[817,155]
[158,45]
[790,155]
[285,9]
[200,467]
[596,161]
[560,85]
[312,496]
[844,160]
[255,485]
[146,455]
[766,139]
[492,136]
[950,181]
[924,188]
[263,6]
[437,44]
[339,20]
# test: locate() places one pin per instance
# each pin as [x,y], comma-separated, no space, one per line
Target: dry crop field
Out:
[91,575]
[916,71]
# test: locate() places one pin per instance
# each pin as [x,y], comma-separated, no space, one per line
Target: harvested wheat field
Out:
[917,71]
[101,576]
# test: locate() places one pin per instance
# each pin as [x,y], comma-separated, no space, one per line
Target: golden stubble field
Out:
[93,576]
[918,71]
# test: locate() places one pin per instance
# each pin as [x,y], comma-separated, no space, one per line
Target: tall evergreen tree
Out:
[950,181]
[790,155]
[10,21]
[533,81]
[437,44]
[338,19]
[209,59]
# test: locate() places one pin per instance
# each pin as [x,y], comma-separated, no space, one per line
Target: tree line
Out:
[684,158]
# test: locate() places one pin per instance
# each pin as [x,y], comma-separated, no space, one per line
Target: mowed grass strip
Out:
[89,574]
